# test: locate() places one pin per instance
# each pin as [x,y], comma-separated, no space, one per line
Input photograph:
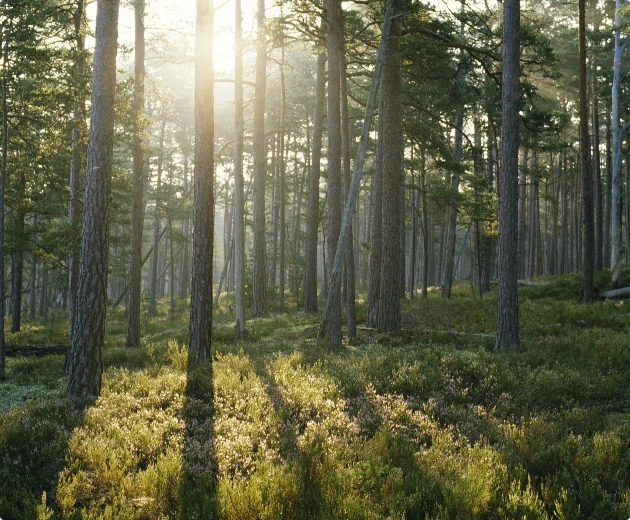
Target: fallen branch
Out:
[617,293]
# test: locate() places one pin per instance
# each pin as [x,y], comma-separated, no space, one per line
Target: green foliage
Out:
[429,423]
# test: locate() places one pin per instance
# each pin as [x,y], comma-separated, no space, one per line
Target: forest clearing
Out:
[314,259]
[424,423]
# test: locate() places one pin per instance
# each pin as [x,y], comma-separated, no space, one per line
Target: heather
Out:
[429,423]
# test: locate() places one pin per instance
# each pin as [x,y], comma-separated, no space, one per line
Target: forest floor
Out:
[427,423]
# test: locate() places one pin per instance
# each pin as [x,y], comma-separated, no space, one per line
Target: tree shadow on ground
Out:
[198,493]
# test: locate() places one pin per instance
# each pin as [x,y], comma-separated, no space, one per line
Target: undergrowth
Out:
[429,423]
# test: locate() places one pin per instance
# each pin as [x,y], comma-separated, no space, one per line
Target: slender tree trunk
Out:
[77,161]
[597,178]
[200,336]
[335,36]
[17,263]
[426,242]
[608,216]
[276,160]
[507,308]
[281,185]
[155,261]
[617,131]
[86,357]
[312,223]
[43,293]
[184,276]
[345,156]
[259,153]
[171,285]
[4,44]
[33,292]
[587,184]
[239,188]
[392,136]
[137,203]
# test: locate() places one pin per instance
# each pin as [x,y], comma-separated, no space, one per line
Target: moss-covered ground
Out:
[429,423]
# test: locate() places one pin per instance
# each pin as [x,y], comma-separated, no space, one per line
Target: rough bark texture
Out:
[200,337]
[260,279]
[312,222]
[77,164]
[391,135]
[155,260]
[347,175]
[376,235]
[280,196]
[137,205]
[507,308]
[240,330]
[4,44]
[335,34]
[587,180]
[86,360]
[617,175]
[17,259]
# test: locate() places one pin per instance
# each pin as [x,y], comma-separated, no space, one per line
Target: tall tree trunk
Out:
[260,164]
[597,177]
[43,293]
[587,181]
[77,161]
[347,174]
[86,358]
[4,44]
[184,274]
[617,134]
[137,203]
[334,37]
[522,213]
[507,305]
[200,336]
[608,216]
[33,291]
[239,188]
[155,260]
[281,185]
[17,257]
[392,148]
[312,223]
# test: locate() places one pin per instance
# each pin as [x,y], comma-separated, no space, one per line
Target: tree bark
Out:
[334,36]
[137,204]
[240,330]
[86,359]
[507,308]
[392,137]
[312,223]
[200,336]
[155,260]
[4,44]
[587,181]
[77,164]
[260,278]
[17,263]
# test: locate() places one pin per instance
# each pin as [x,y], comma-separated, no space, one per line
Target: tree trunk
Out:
[184,274]
[281,185]
[392,149]
[240,330]
[587,182]
[17,263]
[617,178]
[608,216]
[597,177]
[200,336]
[347,174]
[334,37]
[137,203]
[86,358]
[507,305]
[259,157]
[155,260]
[77,161]
[312,223]
[4,44]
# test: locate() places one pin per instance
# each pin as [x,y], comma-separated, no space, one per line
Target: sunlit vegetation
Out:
[430,422]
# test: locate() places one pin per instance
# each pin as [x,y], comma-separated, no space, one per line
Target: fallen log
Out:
[35,351]
[624,292]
